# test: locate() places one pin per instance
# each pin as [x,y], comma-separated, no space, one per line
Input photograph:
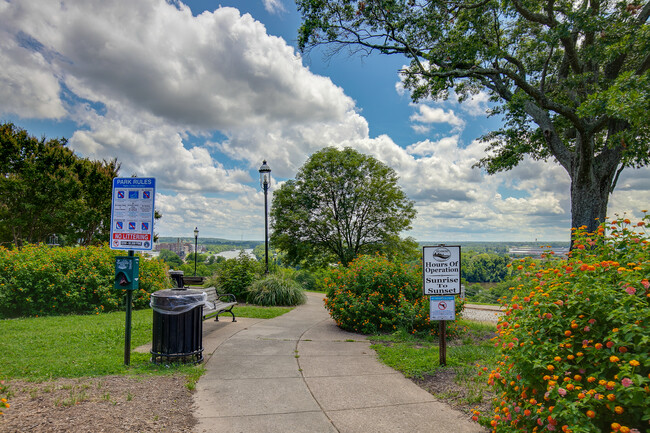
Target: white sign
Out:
[441,270]
[442,308]
[132,213]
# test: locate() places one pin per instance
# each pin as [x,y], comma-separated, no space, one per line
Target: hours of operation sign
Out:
[132,213]
[441,270]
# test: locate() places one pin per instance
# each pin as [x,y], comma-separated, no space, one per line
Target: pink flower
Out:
[626,382]
[550,427]
[592,321]
[646,284]
[562,391]
[587,329]
[630,290]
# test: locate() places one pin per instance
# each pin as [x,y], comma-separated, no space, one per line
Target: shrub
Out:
[275,290]
[306,279]
[236,275]
[41,281]
[374,295]
[574,339]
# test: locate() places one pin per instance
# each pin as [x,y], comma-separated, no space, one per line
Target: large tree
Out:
[570,78]
[341,204]
[45,190]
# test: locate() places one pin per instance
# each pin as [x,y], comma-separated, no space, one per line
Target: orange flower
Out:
[618,409]
[591,413]
[614,358]
[634,363]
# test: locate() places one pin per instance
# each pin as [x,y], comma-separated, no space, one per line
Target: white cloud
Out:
[274,6]
[429,114]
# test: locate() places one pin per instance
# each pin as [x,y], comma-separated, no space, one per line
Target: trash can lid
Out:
[171,271]
[171,300]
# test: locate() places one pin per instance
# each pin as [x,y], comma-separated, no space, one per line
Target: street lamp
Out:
[196,242]
[265,183]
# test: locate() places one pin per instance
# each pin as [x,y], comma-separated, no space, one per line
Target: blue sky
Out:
[197,94]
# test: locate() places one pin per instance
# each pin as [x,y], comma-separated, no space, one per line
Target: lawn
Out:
[41,348]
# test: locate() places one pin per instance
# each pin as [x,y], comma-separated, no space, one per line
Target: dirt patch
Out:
[463,396]
[104,404]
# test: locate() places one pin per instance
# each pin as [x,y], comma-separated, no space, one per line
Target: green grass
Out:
[416,356]
[41,348]
[257,312]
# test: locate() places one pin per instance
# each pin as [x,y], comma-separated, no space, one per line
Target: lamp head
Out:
[265,175]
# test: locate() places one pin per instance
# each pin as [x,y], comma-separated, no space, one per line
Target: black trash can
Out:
[177,278]
[177,326]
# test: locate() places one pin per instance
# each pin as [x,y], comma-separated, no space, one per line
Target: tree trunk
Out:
[590,189]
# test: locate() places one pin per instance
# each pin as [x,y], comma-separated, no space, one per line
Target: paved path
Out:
[300,373]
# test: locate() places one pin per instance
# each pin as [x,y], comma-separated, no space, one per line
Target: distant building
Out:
[180,248]
[536,251]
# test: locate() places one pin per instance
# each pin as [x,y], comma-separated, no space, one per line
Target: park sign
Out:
[442,308]
[132,213]
[441,270]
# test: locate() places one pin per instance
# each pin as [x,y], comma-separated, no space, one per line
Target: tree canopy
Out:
[46,190]
[341,204]
[570,78]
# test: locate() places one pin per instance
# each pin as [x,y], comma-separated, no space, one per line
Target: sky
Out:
[198,94]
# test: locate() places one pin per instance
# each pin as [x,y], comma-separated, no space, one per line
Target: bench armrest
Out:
[229,297]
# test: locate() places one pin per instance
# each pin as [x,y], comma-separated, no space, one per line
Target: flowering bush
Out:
[575,340]
[374,295]
[38,280]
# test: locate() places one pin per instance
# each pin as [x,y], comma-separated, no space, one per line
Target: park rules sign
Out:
[132,213]
[441,270]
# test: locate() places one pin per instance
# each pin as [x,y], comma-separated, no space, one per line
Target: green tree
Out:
[46,189]
[171,258]
[571,79]
[341,204]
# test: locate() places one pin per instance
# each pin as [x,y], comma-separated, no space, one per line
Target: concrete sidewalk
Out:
[301,373]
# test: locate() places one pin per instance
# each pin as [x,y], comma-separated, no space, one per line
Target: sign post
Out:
[441,276]
[132,216]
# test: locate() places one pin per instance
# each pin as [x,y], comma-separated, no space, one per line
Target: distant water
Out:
[235,253]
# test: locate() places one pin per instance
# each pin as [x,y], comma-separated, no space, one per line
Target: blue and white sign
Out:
[442,308]
[132,213]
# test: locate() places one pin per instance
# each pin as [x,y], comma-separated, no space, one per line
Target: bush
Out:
[236,275]
[306,279]
[575,340]
[275,290]
[41,281]
[374,295]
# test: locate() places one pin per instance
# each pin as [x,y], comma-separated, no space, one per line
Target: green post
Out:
[127,326]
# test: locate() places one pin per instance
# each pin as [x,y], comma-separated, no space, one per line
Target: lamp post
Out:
[265,183]
[196,242]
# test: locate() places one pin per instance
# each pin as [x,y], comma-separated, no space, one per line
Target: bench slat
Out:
[219,305]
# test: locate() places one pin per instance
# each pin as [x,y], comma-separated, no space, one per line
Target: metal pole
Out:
[127,326]
[196,243]
[266,227]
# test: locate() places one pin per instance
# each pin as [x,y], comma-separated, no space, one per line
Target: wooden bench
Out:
[223,303]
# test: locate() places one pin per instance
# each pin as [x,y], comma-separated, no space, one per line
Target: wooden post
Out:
[442,337]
